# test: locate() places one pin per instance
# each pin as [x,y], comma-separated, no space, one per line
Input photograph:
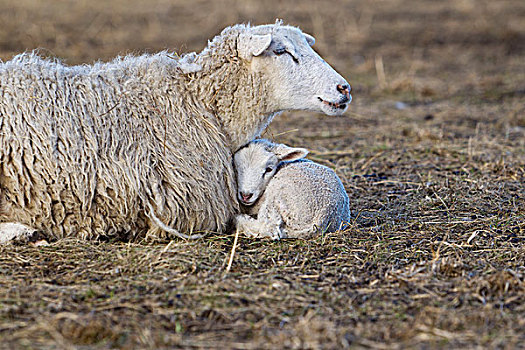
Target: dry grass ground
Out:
[432,153]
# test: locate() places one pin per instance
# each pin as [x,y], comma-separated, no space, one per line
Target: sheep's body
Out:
[298,199]
[141,145]
[98,149]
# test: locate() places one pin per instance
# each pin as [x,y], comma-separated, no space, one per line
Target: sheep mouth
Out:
[336,105]
[247,203]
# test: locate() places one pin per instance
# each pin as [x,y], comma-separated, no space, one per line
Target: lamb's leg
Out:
[258,228]
[14,231]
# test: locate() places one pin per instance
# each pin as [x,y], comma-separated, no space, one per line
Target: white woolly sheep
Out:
[290,196]
[142,146]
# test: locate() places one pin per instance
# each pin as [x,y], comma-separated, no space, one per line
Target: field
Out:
[431,152]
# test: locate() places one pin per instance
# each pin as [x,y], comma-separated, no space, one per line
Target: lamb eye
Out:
[269,169]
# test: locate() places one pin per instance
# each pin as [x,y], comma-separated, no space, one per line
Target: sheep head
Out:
[255,165]
[298,78]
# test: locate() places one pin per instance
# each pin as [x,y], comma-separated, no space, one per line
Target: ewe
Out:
[142,146]
[290,196]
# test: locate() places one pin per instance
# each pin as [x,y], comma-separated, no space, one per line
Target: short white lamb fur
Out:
[142,146]
[284,195]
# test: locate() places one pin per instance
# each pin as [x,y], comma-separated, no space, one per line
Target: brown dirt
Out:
[432,154]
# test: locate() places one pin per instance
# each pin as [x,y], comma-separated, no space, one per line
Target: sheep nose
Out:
[246,196]
[344,89]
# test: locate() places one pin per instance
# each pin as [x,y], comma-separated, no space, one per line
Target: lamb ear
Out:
[286,154]
[309,39]
[250,45]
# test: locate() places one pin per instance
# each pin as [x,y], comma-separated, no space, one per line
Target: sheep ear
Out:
[286,154]
[309,39]
[250,45]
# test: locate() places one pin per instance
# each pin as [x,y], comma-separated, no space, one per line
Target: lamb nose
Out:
[246,196]
[344,89]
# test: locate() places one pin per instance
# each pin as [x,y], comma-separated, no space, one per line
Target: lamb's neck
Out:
[237,97]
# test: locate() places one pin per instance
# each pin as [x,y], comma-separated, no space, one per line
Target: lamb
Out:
[142,146]
[290,196]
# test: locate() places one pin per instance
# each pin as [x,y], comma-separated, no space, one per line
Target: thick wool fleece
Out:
[106,149]
[96,150]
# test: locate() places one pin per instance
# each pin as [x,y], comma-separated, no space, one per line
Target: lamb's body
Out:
[302,198]
[140,144]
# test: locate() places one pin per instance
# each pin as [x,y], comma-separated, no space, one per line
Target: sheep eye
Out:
[281,51]
[268,170]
